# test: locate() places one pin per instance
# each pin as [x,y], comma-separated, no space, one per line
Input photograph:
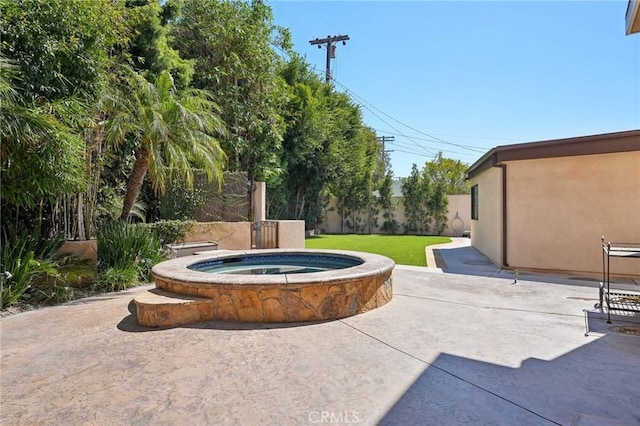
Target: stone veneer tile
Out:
[334,305]
[189,314]
[248,305]
[209,292]
[225,310]
[294,307]
[159,308]
[387,289]
[371,303]
[314,296]
[336,288]
[269,293]
[273,311]
[246,299]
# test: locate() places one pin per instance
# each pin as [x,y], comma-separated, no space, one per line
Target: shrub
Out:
[53,293]
[123,248]
[116,279]
[390,226]
[21,266]
[18,270]
[171,231]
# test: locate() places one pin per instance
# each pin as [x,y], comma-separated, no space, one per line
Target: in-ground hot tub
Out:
[277,285]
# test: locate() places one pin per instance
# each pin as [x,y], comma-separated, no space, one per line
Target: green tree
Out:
[445,176]
[172,132]
[297,193]
[150,49]
[437,205]
[65,49]
[231,46]
[415,192]
[62,46]
[385,200]
[40,157]
[326,152]
[450,173]
[355,157]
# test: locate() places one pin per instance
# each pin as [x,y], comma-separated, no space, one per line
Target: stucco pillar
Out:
[260,200]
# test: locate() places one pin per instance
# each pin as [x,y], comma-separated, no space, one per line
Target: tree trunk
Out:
[66,217]
[93,177]
[134,185]
[80,217]
[299,209]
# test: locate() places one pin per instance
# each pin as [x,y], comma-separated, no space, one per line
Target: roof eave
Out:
[582,145]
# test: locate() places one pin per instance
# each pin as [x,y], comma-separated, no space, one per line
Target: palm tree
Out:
[174,133]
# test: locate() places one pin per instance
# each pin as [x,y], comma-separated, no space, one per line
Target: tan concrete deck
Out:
[448,349]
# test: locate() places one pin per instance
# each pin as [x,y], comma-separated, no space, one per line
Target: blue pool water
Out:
[275,264]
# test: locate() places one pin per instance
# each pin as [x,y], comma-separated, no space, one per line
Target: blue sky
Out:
[475,74]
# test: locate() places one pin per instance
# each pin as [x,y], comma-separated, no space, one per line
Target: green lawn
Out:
[403,249]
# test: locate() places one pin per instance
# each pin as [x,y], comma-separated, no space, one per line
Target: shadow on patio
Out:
[597,382]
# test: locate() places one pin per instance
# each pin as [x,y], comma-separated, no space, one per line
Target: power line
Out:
[434,139]
[413,151]
[412,139]
[477,137]
[428,150]
[431,138]
[466,154]
[460,154]
[386,122]
[431,153]
[468,147]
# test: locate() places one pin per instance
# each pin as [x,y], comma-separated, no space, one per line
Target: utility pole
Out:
[331,49]
[384,139]
[385,152]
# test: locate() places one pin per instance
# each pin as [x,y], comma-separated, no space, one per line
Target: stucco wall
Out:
[460,204]
[86,249]
[228,235]
[459,215]
[331,222]
[486,232]
[291,233]
[237,235]
[558,208]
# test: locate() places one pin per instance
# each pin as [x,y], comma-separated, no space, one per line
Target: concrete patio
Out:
[451,348]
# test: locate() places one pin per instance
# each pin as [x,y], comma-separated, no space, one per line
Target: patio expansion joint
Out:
[501,308]
[430,365]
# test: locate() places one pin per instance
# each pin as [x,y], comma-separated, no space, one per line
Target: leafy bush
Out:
[171,231]
[122,250]
[18,270]
[53,293]
[117,278]
[390,226]
[21,264]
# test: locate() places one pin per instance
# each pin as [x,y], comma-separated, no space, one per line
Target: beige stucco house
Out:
[545,205]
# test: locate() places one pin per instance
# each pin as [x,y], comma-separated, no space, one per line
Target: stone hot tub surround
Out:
[314,296]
